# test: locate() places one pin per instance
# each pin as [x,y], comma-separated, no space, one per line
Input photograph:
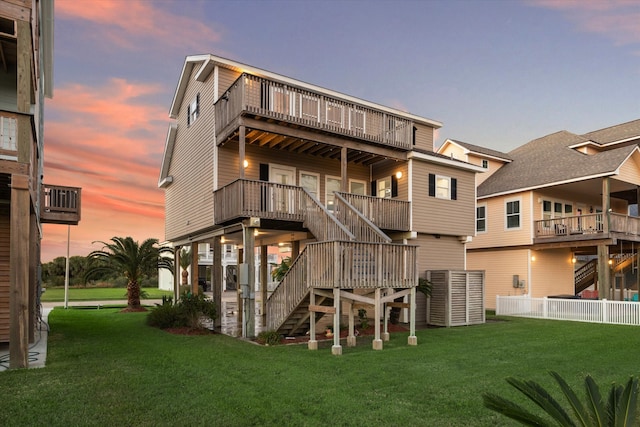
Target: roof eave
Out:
[443,161]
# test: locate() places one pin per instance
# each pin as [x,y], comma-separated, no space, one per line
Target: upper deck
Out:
[266,99]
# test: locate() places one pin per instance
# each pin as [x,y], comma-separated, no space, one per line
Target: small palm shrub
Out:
[268,338]
[618,410]
[187,312]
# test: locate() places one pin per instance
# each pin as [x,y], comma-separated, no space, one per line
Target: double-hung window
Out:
[513,214]
[193,110]
[443,187]
[481,218]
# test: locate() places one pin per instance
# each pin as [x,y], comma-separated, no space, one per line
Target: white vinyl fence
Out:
[579,310]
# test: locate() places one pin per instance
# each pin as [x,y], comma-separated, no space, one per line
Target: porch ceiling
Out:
[317,144]
[618,189]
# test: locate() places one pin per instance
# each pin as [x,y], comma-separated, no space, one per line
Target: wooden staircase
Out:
[586,276]
[350,253]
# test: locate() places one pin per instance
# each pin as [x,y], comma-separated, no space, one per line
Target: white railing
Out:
[579,310]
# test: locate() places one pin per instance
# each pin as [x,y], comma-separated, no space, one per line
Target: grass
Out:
[98,294]
[109,368]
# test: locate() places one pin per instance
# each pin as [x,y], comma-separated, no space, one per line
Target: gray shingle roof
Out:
[615,133]
[549,160]
[483,150]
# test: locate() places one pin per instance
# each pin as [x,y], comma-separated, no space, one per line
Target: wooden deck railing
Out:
[350,265]
[245,198]
[289,103]
[387,214]
[342,264]
[588,225]
[363,229]
[60,205]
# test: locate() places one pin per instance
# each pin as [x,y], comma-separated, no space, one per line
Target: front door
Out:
[283,197]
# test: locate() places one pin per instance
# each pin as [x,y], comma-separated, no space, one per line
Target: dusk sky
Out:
[495,73]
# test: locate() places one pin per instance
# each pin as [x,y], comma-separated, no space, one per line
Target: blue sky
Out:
[495,73]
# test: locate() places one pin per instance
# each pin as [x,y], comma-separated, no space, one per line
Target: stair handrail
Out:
[363,229]
[322,224]
[289,293]
[583,273]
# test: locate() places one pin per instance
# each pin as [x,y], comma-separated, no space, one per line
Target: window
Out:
[384,188]
[309,107]
[8,133]
[443,187]
[357,187]
[332,184]
[357,120]
[485,163]
[193,110]
[513,214]
[481,218]
[311,182]
[334,114]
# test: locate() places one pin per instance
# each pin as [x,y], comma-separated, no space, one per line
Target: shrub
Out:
[269,338]
[196,306]
[165,316]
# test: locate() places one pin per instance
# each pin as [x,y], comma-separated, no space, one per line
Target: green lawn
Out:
[109,368]
[97,294]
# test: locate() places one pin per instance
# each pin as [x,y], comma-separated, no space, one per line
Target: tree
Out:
[125,256]
[185,262]
[618,409]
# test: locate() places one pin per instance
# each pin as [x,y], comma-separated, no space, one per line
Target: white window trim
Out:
[378,187]
[448,178]
[486,223]
[485,161]
[506,222]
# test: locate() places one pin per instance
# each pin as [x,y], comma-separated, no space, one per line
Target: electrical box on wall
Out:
[516,281]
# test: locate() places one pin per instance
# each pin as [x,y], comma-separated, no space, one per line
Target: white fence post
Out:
[545,308]
[605,315]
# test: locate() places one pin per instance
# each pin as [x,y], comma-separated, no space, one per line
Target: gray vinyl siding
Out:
[440,216]
[189,199]
[424,137]
[225,78]
[445,253]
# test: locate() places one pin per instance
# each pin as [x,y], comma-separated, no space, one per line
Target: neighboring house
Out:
[553,201]
[26,43]
[355,188]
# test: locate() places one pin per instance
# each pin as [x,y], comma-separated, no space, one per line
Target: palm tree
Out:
[185,262]
[133,260]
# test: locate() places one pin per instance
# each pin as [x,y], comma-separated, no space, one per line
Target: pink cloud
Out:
[125,23]
[615,19]
[92,140]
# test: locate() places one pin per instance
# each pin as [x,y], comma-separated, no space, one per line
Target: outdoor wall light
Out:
[610,262]
[399,174]
[533,257]
[246,164]
[573,260]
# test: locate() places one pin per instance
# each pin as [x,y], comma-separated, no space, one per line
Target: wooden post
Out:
[34,260]
[19,272]
[195,289]
[413,340]
[176,273]
[351,338]
[337,348]
[606,204]
[250,298]
[313,343]
[385,333]
[216,279]
[239,317]
[377,342]
[344,182]
[264,283]
[603,272]
[241,150]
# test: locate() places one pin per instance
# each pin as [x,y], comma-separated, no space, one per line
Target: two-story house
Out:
[254,158]
[26,47]
[551,203]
